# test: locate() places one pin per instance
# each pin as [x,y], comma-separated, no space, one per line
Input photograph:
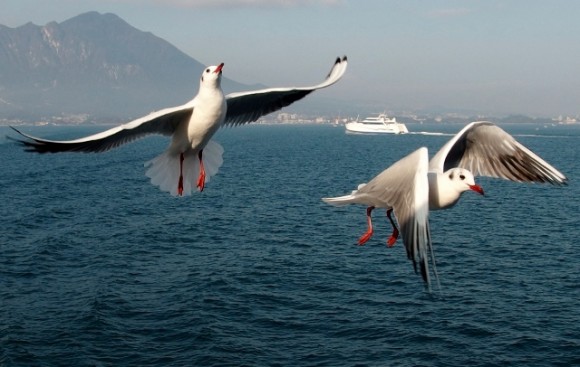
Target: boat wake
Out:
[430,133]
[517,135]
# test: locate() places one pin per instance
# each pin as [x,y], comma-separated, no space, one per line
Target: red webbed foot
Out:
[369,233]
[391,241]
[180,183]
[365,237]
[201,181]
[201,178]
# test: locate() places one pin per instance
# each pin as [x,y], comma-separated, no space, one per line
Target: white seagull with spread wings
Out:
[414,185]
[191,152]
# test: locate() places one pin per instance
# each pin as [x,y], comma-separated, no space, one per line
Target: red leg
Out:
[369,233]
[180,184]
[201,178]
[391,241]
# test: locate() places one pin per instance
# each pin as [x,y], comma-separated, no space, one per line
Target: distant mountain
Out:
[94,64]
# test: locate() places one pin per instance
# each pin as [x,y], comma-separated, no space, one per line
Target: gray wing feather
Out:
[487,150]
[405,187]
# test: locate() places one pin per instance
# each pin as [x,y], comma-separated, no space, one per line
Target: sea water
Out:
[100,268]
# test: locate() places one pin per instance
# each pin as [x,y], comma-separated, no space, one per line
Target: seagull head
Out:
[212,75]
[463,180]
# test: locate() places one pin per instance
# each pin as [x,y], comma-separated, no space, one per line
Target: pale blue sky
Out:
[495,56]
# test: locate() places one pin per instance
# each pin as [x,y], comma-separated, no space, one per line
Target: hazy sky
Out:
[495,56]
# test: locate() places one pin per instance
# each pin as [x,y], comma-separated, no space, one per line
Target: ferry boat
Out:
[380,124]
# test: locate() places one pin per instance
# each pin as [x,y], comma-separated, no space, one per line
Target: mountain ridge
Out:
[93,64]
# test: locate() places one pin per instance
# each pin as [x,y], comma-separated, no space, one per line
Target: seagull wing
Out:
[487,150]
[405,187]
[162,122]
[245,107]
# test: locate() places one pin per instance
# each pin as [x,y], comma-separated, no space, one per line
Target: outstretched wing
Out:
[487,150]
[245,107]
[162,122]
[405,187]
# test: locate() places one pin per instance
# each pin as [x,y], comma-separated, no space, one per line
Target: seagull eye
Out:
[462,177]
[207,70]
[451,176]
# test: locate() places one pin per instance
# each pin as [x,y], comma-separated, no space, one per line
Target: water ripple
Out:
[99,268]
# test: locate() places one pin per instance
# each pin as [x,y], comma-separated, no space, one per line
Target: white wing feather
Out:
[245,107]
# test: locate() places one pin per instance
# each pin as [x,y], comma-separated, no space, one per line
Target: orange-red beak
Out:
[219,68]
[477,189]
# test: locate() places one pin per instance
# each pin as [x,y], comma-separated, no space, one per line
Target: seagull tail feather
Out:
[342,200]
[164,170]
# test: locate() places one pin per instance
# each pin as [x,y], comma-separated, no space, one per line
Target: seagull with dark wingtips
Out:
[414,185]
[192,157]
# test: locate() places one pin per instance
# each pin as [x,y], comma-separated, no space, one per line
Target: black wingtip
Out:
[27,145]
[15,129]
[30,146]
[560,181]
[423,270]
[22,142]
[339,59]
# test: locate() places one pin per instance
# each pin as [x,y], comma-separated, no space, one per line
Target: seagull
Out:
[414,185]
[191,126]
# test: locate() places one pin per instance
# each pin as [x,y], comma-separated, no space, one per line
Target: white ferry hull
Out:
[380,124]
[360,128]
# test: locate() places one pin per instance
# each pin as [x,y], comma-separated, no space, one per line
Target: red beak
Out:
[477,189]
[219,68]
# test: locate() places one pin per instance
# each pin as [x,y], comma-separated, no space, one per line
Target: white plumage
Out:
[414,185]
[192,158]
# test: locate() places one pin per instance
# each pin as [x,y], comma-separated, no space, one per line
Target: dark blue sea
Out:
[100,268]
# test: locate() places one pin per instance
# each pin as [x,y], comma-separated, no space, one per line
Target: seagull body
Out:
[413,186]
[191,126]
